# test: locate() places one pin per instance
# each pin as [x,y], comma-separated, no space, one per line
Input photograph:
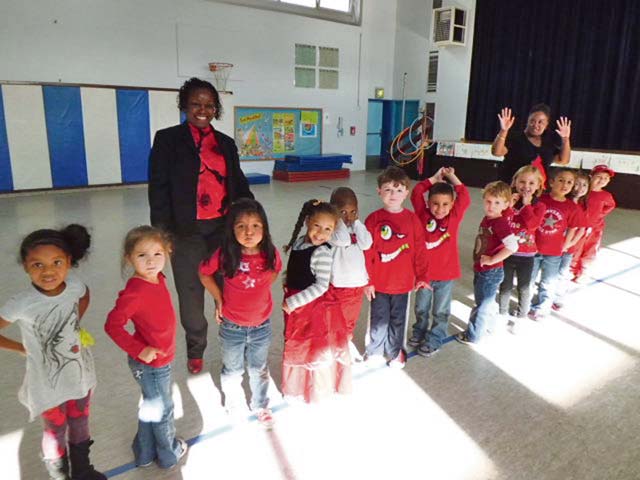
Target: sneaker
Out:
[265,418]
[194,365]
[145,465]
[415,341]
[535,315]
[400,360]
[374,361]
[512,327]
[356,356]
[462,337]
[426,351]
[556,307]
[182,451]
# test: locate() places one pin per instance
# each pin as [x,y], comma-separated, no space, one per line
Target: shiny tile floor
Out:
[558,401]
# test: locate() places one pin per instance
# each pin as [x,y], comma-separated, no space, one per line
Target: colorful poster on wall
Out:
[308,124]
[264,133]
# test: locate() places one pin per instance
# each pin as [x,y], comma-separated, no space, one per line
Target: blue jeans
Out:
[440,300]
[549,268]
[564,278]
[485,287]
[388,319]
[240,344]
[156,437]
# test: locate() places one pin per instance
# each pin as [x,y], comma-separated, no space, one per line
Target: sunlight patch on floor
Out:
[9,454]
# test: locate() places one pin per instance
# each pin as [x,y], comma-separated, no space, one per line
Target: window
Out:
[343,11]
[321,63]
[432,72]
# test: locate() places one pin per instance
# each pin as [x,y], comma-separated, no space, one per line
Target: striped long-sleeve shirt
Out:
[320,265]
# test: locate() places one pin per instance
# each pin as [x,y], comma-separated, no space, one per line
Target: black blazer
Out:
[174,166]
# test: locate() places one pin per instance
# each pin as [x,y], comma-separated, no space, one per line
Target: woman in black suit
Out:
[194,175]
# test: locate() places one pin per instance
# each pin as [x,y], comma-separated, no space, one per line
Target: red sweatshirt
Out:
[441,236]
[397,258]
[524,222]
[599,205]
[148,306]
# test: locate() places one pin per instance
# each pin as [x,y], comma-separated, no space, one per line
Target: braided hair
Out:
[309,209]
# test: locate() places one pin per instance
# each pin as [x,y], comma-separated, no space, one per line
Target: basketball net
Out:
[221,73]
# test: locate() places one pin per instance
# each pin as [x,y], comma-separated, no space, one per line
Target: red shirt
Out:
[213,170]
[524,222]
[148,306]
[441,236]
[599,205]
[396,260]
[558,217]
[489,240]
[246,297]
[582,212]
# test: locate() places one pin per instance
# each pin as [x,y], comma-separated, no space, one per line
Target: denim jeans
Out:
[521,267]
[440,300]
[388,319]
[482,318]
[549,268]
[240,344]
[156,437]
[564,278]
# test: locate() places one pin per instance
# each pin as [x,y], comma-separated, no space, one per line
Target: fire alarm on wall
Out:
[352,130]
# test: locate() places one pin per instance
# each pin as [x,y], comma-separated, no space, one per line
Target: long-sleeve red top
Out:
[148,306]
[599,205]
[441,235]
[397,259]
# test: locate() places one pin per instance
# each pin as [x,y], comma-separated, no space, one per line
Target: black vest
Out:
[299,275]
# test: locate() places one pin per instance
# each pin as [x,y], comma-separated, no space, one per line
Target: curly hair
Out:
[193,84]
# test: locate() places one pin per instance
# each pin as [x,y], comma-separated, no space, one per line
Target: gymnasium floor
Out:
[558,401]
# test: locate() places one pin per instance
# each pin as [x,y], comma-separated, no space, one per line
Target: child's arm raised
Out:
[363,236]
[7,343]
[340,236]
[417,194]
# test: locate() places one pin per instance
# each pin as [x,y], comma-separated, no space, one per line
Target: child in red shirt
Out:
[441,216]
[559,231]
[396,263]
[250,263]
[579,196]
[524,216]
[146,302]
[494,243]
[600,203]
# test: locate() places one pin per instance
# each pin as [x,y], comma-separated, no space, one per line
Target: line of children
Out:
[329,268]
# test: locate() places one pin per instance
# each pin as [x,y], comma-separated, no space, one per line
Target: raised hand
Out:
[506,119]
[564,127]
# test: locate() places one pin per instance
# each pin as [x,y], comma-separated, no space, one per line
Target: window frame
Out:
[353,17]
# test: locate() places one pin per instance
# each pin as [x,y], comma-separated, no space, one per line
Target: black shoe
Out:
[463,338]
[81,468]
[415,341]
[426,351]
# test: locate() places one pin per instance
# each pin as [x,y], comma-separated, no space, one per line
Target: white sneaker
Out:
[400,361]
[356,356]
[265,418]
[374,361]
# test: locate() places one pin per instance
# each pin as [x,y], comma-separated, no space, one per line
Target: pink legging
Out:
[70,417]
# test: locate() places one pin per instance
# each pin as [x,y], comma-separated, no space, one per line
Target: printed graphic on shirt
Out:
[245,269]
[57,333]
[551,222]
[393,241]
[438,242]
[524,237]
[481,243]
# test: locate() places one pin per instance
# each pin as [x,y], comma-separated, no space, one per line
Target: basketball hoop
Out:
[221,73]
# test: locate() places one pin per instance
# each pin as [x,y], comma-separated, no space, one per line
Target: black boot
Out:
[58,469]
[81,468]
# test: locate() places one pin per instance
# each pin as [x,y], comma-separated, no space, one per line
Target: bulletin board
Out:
[271,133]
